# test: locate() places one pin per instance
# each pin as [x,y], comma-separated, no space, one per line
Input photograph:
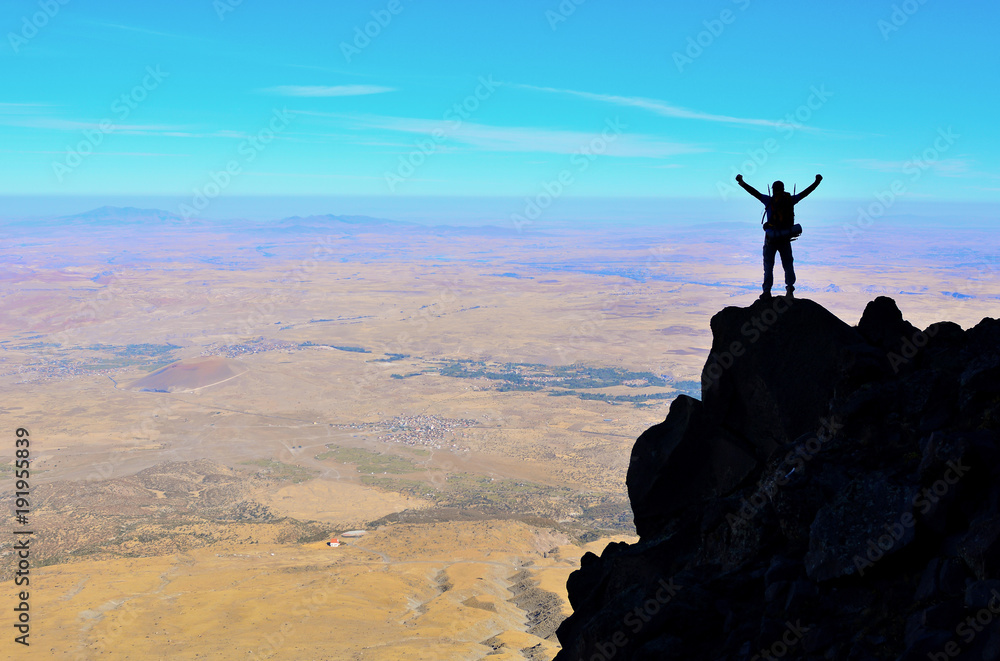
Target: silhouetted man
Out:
[779,208]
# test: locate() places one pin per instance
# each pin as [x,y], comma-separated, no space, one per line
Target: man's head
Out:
[778,187]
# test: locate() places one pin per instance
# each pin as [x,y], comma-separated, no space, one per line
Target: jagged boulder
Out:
[773,368]
[680,463]
[883,326]
[868,519]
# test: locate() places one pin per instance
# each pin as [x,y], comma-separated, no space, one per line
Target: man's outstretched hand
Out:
[819,178]
[739,178]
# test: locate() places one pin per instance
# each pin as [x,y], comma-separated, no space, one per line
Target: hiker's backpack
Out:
[782,211]
[782,224]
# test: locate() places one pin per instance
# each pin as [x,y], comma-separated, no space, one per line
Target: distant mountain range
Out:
[108,215]
[125,217]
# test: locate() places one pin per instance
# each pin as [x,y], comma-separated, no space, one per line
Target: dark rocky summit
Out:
[834,495]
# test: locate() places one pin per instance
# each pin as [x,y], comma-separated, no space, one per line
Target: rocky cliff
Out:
[835,494]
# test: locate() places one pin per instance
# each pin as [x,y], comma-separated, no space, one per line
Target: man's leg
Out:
[769,249]
[785,249]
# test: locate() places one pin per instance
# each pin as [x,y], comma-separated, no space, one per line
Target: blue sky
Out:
[491,98]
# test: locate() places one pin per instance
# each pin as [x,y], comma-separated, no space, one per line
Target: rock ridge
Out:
[835,494]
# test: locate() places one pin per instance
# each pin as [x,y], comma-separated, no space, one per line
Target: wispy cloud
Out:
[660,107]
[313,67]
[54,123]
[107,153]
[22,106]
[323,91]
[485,137]
[133,28]
[154,130]
[313,175]
[949,167]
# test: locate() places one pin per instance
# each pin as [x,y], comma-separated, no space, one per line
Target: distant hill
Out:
[132,217]
[109,215]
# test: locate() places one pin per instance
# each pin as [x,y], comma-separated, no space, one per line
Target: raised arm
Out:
[748,188]
[810,188]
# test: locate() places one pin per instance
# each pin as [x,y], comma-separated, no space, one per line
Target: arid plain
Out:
[209,404]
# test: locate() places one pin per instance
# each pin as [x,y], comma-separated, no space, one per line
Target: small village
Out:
[259,345]
[424,431]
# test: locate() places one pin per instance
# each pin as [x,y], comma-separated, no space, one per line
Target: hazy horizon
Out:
[505,211]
